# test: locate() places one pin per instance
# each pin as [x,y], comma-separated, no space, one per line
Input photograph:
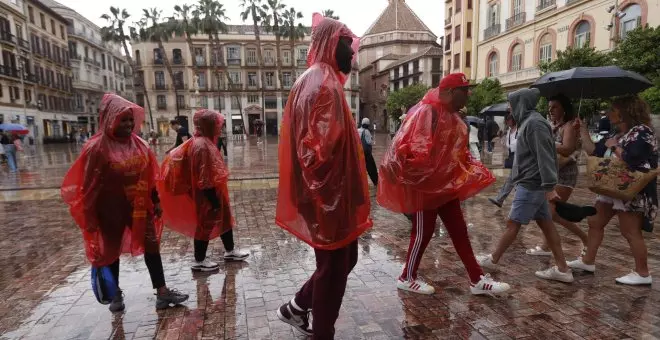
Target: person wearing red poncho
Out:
[194,192]
[323,195]
[427,171]
[111,192]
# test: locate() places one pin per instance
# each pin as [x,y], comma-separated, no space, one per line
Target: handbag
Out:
[104,285]
[508,162]
[613,178]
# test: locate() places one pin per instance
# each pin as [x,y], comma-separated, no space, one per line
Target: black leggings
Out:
[154,265]
[372,169]
[201,246]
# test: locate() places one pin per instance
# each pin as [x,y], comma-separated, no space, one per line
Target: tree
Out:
[252,10]
[185,24]
[328,13]
[272,22]
[487,93]
[640,52]
[294,31]
[116,32]
[404,99]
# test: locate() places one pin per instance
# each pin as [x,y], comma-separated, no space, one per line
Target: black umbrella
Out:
[472,120]
[500,109]
[591,83]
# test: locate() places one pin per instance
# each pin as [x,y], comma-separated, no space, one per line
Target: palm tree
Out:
[294,31]
[157,31]
[272,22]
[253,10]
[328,13]
[116,32]
[185,24]
[211,19]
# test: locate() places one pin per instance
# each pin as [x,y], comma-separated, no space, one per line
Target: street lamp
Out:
[21,70]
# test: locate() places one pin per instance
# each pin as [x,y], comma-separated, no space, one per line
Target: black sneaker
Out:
[170,297]
[117,304]
[298,319]
[496,202]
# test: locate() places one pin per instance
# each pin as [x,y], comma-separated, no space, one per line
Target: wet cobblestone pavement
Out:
[45,279]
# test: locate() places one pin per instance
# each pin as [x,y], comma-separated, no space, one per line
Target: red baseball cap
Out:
[454,80]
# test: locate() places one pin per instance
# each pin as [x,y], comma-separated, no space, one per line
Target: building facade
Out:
[515,36]
[97,66]
[460,41]
[394,37]
[229,81]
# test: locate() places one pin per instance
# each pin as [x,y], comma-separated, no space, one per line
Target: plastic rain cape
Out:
[187,170]
[109,187]
[323,195]
[428,163]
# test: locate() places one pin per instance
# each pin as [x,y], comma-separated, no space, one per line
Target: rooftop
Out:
[397,16]
[430,51]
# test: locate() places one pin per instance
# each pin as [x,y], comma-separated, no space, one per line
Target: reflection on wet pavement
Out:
[45,279]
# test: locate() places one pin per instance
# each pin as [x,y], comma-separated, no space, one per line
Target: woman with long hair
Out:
[562,115]
[111,192]
[634,142]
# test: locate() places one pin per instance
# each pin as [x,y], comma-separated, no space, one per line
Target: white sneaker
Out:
[634,279]
[235,255]
[204,266]
[488,286]
[486,261]
[553,273]
[538,251]
[578,264]
[416,286]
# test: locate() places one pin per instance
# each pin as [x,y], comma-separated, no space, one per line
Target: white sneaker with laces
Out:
[553,273]
[578,264]
[538,251]
[415,286]
[488,286]
[634,279]
[486,261]
[235,255]
[204,266]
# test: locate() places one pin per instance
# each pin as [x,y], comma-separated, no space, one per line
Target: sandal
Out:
[538,251]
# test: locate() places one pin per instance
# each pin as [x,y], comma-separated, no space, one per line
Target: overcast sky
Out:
[357,14]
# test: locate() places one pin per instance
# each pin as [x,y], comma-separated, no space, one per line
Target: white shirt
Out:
[511,140]
[474,135]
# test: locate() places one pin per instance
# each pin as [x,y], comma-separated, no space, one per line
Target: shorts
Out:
[529,205]
[617,204]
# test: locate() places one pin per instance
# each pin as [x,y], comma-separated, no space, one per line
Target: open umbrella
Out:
[591,83]
[475,121]
[14,128]
[499,109]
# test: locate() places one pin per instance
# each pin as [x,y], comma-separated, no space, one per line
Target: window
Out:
[234,103]
[582,34]
[492,65]
[204,101]
[468,59]
[201,80]
[545,49]
[52,27]
[270,79]
[62,32]
[631,20]
[516,57]
[251,56]
[493,15]
[457,33]
[518,7]
[177,56]
[270,102]
[286,56]
[286,79]
[457,60]
[235,77]
[233,53]
[219,81]
[159,76]
[160,101]
[268,56]
[253,99]
[353,101]
[219,103]
[103,61]
[459,3]
[469,4]
[19,31]
[199,56]
[436,65]
[435,79]
[31,14]
[302,54]
[180,101]
[158,57]
[110,63]
[139,99]
[468,33]
[252,79]
[448,64]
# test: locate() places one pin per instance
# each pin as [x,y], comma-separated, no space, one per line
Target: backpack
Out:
[177,170]
[365,146]
[104,285]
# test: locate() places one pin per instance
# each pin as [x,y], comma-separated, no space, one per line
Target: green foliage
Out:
[328,13]
[652,96]
[487,93]
[404,98]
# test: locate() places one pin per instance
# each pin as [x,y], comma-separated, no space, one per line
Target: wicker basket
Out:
[611,177]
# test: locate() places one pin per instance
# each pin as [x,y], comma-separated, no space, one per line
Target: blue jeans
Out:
[10,152]
[529,205]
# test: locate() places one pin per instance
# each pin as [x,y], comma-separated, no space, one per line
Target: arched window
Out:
[177,57]
[631,20]
[582,34]
[493,65]
[545,49]
[517,57]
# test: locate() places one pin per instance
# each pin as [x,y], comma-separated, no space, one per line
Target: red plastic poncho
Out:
[323,195]
[428,163]
[109,188]
[186,172]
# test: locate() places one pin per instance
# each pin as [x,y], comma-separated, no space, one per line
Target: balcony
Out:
[181,106]
[180,86]
[251,62]
[448,22]
[546,4]
[269,61]
[301,62]
[89,60]
[30,78]
[178,62]
[24,44]
[571,2]
[252,86]
[236,86]
[233,61]
[157,61]
[7,38]
[527,75]
[217,62]
[8,71]
[200,61]
[76,57]
[515,20]
[492,31]
[159,87]
[97,64]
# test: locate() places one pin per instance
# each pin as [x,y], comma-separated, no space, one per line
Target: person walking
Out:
[416,179]
[492,130]
[194,192]
[182,133]
[9,147]
[367,146]
[323,196]
[510,139]
[535,176]
[112,196]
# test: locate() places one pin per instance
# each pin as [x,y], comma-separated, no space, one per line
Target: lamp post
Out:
[21,70]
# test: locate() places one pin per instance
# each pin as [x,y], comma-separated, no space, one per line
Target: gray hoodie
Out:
[535,164]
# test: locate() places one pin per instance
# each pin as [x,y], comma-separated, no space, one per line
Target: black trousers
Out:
[154,265]
[372,169]
[222,145]
[201,246]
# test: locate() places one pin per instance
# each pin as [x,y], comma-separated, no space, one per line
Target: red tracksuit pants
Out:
[422,231]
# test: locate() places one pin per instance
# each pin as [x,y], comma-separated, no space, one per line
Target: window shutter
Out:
[639,22]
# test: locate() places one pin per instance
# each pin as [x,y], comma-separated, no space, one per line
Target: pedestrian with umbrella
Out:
[9,142]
